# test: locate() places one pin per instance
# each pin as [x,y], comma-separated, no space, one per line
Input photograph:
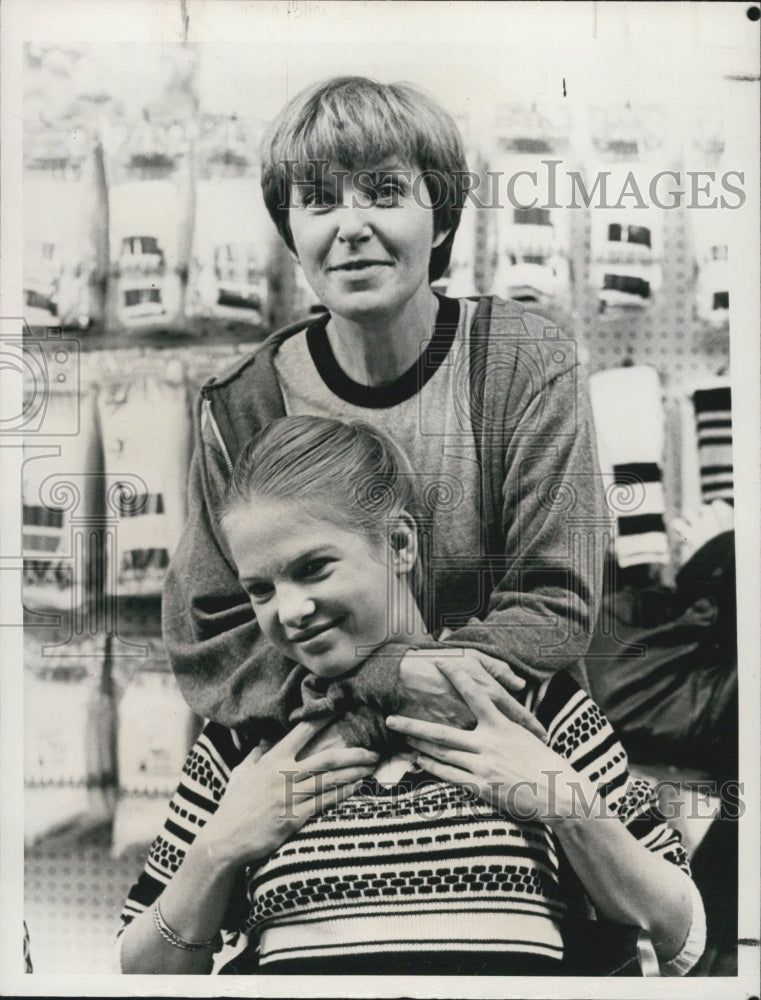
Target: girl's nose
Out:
[294,606]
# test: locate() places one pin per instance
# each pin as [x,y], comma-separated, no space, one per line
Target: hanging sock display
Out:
[230,277]
[622,399]
[156,729]
[144,226]
[62,501]
[146,442]
[58,697]
[713,424]
[703,427]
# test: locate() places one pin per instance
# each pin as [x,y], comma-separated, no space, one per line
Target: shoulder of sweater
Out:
[262,355]
[534,347]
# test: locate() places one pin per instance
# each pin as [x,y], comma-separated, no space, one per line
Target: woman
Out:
[405,873]
[366,182]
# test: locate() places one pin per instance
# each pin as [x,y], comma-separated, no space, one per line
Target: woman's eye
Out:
[317,199]
[260,591]
[389,192]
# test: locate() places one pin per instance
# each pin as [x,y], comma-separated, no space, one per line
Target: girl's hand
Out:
[504,763]
[271,794]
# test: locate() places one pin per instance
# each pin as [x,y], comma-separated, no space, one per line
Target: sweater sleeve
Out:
[579,731]
[552,517]
[225,668]
[204,780]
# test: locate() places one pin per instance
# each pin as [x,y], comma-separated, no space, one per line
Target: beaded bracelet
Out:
[174,939]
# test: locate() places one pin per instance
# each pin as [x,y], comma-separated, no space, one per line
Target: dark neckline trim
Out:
[407,385]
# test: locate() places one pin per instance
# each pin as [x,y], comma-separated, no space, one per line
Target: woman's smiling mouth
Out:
[359,265]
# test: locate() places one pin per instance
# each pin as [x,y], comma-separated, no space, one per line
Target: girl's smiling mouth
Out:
[307,634]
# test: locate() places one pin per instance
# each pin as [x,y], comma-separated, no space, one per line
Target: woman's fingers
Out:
[500,671]
[484,705]
[471,693]
[436,732]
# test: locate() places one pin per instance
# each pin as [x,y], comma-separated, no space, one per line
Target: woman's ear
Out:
[404,545]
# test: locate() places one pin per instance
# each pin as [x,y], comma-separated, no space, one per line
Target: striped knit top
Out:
[416,872]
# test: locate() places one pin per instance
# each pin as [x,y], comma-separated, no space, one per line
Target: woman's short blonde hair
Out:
[357,123]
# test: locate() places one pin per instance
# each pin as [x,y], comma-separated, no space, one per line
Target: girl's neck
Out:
[379,349]
[406,624]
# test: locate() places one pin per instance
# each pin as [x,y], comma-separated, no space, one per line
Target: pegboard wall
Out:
[667,334]
[73,895]
[75,887]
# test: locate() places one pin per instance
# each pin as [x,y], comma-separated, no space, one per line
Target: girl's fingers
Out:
[436,732]
[300,735]
[342,776]
[311,784]
[331,797]
[447,772]
[337,757]
[447,755]
[513,710]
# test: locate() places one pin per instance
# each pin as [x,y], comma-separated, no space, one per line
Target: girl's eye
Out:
[314,567]
[260,591]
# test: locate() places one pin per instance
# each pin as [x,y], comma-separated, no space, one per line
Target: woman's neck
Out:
[378,350]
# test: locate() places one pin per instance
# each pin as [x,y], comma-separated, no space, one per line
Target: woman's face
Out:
[320,594]
[364,238]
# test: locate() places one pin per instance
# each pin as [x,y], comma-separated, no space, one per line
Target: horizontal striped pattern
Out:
[641,530]
[419,867]
[713,421]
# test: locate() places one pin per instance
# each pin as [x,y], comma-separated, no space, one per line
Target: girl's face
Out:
[320,594]
[364,237]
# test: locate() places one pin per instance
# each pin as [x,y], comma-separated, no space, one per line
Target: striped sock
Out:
[713,420]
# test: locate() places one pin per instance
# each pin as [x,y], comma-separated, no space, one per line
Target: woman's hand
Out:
[271,794]
[506,764]
[428,693]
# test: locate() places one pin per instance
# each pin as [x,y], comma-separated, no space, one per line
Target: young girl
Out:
[467,860]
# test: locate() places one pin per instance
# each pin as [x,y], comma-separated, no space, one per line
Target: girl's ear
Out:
[404,544]
[439,238]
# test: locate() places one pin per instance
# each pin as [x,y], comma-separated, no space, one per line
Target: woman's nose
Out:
[353,224]
[294,606]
